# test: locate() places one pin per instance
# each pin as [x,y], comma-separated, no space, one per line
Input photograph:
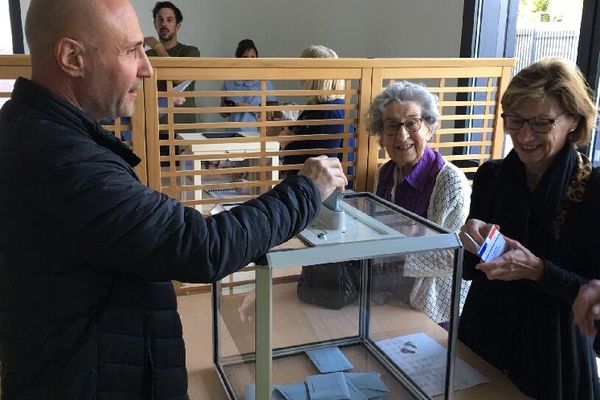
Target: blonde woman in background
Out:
[318,51]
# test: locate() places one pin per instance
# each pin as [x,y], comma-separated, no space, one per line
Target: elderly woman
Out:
[544,197]
[404,117]
[245,49]
[317,51]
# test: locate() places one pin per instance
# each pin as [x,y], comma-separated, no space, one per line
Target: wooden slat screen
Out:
[200,171]
[470,130]
[203,172]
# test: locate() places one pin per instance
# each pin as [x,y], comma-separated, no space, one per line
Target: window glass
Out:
[6,85]
[5,32]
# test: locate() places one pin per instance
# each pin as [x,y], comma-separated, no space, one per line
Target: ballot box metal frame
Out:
[364,251]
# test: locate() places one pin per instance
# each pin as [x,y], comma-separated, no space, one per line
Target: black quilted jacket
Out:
[87,310]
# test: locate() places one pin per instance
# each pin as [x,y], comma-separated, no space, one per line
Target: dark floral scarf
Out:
[575,191]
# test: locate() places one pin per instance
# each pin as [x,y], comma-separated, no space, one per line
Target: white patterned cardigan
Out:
[448,207]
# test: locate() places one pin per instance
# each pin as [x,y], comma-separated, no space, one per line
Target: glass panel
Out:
[360,310]
[547,29]
[391,218]
[410,314]
[595,144]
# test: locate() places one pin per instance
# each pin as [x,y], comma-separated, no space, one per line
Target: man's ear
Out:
[68,53]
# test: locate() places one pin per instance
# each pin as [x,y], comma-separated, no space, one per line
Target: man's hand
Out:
[586,307]
[151,41]
[326,173]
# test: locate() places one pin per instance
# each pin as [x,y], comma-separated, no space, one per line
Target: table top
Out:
[201,144]
[296,323]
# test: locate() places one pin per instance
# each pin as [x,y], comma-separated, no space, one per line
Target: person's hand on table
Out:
[326,173]
[586,307]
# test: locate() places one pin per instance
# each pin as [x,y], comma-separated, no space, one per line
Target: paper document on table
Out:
[182,86]
[329,359]
[327,386]
[293,391]
[424,361]
[368,383]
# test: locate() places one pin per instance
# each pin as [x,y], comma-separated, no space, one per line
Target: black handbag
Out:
[332,286]
[336,285]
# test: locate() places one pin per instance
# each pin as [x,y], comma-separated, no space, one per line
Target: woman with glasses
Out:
[404,117]
[544,197]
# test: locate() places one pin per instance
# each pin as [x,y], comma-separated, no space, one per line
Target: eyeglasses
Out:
[391,127]
[539,125]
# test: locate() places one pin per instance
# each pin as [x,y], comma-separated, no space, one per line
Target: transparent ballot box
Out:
[365,311]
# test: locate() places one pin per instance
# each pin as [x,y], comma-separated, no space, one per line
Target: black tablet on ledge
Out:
[221,135]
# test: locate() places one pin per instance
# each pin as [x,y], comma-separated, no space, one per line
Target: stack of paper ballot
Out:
[332,383]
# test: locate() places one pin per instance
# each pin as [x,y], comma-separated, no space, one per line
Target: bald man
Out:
[87,310]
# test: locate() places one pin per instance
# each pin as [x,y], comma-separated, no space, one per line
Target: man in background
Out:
[167,19]
[167,22]
[95,248]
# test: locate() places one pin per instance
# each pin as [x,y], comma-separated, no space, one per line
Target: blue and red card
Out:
[493,246]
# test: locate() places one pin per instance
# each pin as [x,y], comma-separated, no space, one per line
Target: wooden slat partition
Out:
[132,130]
[197,171]
[469,91]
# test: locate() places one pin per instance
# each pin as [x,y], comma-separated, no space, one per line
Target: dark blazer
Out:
[87,309]
[526,328]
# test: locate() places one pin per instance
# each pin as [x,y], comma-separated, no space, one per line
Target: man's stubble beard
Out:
[169,36]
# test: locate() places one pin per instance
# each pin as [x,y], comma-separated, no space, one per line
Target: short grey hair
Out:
[400,92]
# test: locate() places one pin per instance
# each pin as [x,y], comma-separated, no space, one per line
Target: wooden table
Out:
[234,149]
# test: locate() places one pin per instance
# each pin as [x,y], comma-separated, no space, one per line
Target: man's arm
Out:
[112,221]
[153,43]
[157,49]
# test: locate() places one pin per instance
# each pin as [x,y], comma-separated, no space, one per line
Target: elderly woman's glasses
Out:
[391,127]
[539,125]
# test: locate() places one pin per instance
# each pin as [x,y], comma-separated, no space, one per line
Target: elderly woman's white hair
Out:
[318,51]
[400,92]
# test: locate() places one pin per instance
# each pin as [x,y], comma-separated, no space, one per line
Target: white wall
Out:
[282,28]
[354,28]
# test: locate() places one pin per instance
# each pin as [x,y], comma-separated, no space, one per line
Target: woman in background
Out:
[245,49]
[317,51]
